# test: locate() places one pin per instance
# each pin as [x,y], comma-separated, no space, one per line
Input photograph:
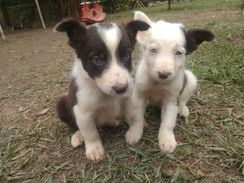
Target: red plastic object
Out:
[92,15]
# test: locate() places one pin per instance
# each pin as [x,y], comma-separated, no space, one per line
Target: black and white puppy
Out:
[100,80]
[162,78]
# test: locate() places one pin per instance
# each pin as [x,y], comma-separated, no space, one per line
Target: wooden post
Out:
[40,13]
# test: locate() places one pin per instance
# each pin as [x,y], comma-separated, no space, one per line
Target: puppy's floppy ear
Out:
[133,27]
[75,31]
[142,36]
[195,37]
[139,15]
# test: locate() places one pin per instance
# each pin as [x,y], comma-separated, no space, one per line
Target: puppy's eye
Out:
[178,53]
[126,56]
[153,50]
[97,60]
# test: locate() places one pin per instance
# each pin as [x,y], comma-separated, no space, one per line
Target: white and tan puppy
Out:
[161,77]
[100,79]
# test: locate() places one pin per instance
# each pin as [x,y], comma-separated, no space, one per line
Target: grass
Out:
[211,143]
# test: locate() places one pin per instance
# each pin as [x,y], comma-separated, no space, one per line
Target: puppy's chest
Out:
[108,104]
[157,93]
[108,110]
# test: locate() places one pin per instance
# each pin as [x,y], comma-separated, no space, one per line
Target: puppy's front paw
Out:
[95,151]
[133,136]
[76,139]
[184,111]
[167,142]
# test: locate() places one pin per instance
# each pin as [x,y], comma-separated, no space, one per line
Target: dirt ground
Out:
[30,62]
[34,70]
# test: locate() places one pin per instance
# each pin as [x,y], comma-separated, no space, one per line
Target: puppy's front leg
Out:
[88,129]
[166,135]
[135,119]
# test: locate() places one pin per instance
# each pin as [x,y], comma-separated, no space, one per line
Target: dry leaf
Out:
[42,112]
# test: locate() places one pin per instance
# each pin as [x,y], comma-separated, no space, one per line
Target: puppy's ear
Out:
[75,31]
[195,37]
[142,36]
[133,27]
[142,16]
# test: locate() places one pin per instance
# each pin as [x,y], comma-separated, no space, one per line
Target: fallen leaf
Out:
[42,112]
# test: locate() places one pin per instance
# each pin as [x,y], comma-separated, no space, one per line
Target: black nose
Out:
[164,75]
[120,88]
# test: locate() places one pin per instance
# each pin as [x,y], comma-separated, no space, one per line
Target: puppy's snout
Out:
[164,75]
[120,88]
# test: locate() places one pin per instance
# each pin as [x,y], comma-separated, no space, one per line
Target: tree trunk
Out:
[169,4]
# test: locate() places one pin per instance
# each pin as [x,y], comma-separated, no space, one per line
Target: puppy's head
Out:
[166,46]
[105,51]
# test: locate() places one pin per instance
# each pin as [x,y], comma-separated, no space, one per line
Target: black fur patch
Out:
[133,27]
[75,31]
[124,50]
[127,42]
[195,37]
[87,44]
[65,106]
[94,46]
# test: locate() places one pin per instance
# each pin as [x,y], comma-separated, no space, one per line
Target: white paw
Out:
[167,142]
[76,139]
[94,151]
[133,136]
[184,111]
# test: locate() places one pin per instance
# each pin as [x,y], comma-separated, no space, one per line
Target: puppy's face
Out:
[165,51]
[106,57]
[166,46]
[105,52]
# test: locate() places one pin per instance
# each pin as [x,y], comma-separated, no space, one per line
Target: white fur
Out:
[111,38]
[76,139]
[160,46]
[115,75]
